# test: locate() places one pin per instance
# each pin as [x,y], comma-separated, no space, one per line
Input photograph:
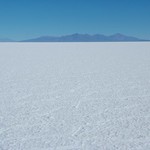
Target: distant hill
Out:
[121,37]
[85,38]
[80,38]
[6,40]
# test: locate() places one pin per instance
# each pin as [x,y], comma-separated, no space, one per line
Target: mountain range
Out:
[81,38]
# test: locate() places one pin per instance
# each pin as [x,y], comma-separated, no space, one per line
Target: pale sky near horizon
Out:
[23,19]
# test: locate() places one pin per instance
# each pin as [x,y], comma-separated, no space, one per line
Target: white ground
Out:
[75,96]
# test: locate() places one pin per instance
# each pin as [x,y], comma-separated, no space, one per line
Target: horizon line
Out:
[76,33]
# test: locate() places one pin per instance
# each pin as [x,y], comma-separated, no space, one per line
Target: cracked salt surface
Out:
[75,96]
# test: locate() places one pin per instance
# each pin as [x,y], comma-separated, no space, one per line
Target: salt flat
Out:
[75,96]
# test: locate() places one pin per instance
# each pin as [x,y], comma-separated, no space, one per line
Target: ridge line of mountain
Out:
[81,38]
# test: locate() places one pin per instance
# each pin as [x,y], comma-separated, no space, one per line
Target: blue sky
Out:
[22,19]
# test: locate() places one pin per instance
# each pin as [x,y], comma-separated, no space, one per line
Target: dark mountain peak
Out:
[75,34]
[99,35]
[117,34]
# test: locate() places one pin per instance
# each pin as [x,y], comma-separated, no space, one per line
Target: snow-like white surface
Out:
[75,96]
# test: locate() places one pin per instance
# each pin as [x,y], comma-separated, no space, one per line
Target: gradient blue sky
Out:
[22,19]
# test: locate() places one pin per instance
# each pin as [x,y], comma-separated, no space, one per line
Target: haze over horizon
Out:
[25,19]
